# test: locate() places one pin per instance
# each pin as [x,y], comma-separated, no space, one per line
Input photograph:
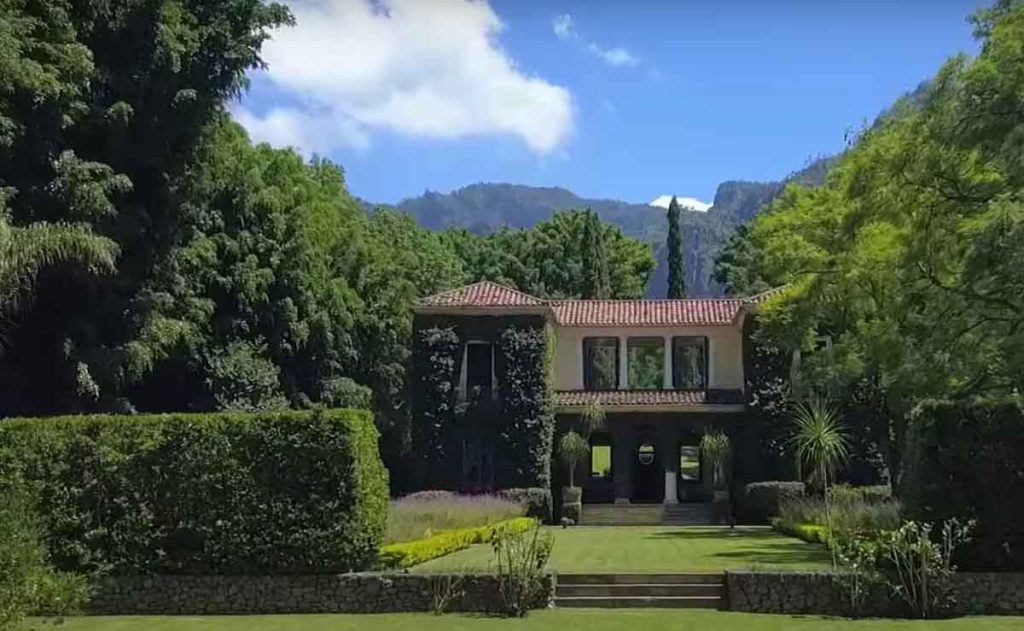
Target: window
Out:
[479,369]
[601,363]
[690,363]
[689,463]
[600,458]
[646,363]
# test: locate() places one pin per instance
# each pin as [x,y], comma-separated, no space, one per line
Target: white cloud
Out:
[616,57]
[423,69]
[686,203]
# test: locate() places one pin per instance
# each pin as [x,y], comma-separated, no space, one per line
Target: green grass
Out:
[657,549]
[548,620]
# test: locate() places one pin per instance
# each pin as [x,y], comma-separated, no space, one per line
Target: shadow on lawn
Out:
[740,532]
[766,547]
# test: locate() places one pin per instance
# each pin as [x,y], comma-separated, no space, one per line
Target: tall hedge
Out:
[966,459]
[274,492]
[437,362]
[527,424]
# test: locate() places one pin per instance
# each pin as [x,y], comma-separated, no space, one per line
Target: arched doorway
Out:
[649,474]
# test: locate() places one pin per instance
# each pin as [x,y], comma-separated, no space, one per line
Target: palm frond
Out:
[820,438]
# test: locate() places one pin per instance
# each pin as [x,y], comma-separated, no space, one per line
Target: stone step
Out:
[674,602]
[646,589]
[641,579]
[646,515]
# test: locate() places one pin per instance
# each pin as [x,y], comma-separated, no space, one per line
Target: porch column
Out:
[668,447]
[667,382]
[622,463]
[623,363]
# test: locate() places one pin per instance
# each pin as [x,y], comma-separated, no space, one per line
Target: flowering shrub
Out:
[428,512]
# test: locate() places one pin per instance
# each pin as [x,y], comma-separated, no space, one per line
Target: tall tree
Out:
[676,262]
[596,278]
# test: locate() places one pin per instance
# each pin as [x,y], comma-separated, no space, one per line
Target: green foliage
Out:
[284,492]
[716,449]
[438,357]
[526,433]
[909,258]
[811,533]
[536,501]
[557,258]
[820,440]
[676,260]
[763,500]
[28,584]
[410,553]
[966,461]
[520,559]
[572,449]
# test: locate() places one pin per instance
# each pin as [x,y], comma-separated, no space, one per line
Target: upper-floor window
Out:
[646,363]
[479,370]
[690,363]
[601,363]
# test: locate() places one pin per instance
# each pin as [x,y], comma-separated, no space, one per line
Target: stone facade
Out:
[339,593]
[821,593]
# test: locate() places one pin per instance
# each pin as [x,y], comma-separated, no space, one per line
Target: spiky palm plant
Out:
[715,447]
[821,444]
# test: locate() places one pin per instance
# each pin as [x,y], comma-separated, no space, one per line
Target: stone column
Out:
[667,383]
[623,363]
[622,462]
[668,448]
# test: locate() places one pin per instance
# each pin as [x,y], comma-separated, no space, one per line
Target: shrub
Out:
[520,560]
[28,585]
[536,501]
[266,492]
[965,460]
[811,533]
[875,494]
[410,553]
[763,500]
[850,517]
[423,514]
[527,428]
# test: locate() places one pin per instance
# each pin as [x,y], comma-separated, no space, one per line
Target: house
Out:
[662,371]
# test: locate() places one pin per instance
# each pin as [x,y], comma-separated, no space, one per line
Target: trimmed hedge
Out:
[965,459]
[811,533]
[536,501]
[409,553]
[527,422]
[298,492]
[763,500]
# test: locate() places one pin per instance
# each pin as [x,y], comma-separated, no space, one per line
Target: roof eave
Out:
[714,408]
[495,310]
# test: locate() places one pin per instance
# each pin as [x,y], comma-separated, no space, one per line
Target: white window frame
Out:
[464,371]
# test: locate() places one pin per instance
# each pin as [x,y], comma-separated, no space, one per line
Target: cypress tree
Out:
[596,277]
[676,262]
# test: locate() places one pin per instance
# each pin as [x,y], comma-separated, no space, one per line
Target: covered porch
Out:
[648,451]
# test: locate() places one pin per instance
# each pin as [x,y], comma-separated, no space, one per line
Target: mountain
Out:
[483,208]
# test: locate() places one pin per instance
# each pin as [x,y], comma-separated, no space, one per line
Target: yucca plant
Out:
[821,445]
[715,447]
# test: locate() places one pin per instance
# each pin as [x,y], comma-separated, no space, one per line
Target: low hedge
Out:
[763,500]
[536,501]
[299,492]
[810,533]
[409,553]
[965,459]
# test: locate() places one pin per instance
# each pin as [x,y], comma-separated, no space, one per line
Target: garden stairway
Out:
[690,514]
[705,591]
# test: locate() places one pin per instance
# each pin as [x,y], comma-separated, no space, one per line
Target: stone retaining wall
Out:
[822,593]
[340,593]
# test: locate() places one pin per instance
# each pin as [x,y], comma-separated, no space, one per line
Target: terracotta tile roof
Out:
[580,398]
[482,294]
[688,312]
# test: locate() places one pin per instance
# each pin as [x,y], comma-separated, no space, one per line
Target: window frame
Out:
[706,377]
[464,372]
[588,370]
[601,440]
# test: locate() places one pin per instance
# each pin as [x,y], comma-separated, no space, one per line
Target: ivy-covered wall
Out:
[527,419]
[519,425]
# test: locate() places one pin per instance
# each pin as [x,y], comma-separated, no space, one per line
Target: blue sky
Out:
[624,100]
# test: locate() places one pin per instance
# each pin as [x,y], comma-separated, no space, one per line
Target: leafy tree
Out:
[676,262]
[572,448]
[596,279]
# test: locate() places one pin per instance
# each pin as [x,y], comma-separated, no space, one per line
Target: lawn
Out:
[549,620]
[649,549]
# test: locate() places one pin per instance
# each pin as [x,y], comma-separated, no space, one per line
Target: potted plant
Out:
[572,449]
[716,449]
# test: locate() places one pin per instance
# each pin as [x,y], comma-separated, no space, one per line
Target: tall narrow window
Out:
[479,370]
[601,363]
[690,363]
[601,457]
[646,363]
